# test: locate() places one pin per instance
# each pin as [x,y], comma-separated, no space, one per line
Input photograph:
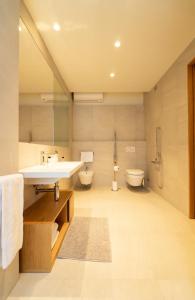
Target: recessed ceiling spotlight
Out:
[117,44]
[19,28]
[56,27]
[112,75]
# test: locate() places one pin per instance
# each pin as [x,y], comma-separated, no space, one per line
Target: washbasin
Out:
[50,173]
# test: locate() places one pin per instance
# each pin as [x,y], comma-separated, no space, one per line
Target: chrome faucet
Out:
[43,158]
[46,155]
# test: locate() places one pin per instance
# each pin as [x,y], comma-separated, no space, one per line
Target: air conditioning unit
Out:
[84,98]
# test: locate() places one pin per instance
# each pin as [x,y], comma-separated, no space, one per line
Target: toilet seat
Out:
[135,177]
[135,172]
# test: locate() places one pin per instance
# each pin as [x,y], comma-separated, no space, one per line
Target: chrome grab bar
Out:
[155,161]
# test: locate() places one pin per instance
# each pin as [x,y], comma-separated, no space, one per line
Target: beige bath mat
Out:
[87,239]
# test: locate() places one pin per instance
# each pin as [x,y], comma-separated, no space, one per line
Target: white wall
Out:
[9,17]
[167,107]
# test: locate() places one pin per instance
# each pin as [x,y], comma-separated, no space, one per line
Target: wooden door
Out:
[191,134]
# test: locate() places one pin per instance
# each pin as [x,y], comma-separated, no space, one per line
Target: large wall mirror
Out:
[44,107]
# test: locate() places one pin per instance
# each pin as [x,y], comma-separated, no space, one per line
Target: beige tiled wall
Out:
[31,124]
[94,127]
[167,107]
[9,16]
[43,124]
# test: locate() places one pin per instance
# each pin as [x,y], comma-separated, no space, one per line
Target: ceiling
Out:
[153,34]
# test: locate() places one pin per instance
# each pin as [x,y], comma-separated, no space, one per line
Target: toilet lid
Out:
[135,172]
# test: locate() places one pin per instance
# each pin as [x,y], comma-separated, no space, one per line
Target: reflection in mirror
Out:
[61,108]
[44,108]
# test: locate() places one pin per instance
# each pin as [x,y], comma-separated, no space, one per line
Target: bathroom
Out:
[75,83]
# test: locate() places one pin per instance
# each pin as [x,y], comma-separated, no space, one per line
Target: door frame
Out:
[191,137]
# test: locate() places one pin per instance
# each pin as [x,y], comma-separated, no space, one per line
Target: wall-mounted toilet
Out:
[86,176]
[135,177]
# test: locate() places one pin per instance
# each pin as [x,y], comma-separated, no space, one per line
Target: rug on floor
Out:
[87,239]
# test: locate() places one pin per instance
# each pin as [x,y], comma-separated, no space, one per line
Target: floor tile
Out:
[153,253]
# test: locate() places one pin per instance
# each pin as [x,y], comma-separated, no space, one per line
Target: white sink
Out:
[50,173]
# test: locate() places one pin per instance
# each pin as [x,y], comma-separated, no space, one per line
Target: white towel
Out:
[55,227]
[54,230]
[55,239]
[11,204]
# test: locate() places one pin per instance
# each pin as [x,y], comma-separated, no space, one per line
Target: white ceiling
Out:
[152,32]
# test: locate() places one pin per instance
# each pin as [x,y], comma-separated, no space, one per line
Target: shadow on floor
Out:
[138,189]
[81,188]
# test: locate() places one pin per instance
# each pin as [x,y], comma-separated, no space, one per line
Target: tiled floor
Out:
[153,253]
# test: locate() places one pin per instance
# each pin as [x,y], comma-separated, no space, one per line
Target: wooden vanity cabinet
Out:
[36,254]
